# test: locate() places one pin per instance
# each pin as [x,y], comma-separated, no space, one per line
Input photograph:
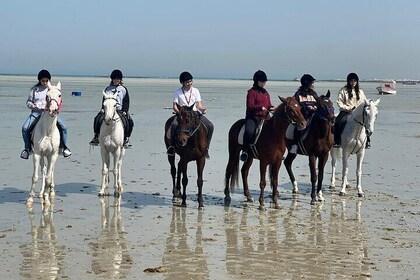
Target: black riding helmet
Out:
[116,74]
[259,76]
[352,76]
[306,80]
[44,74]
[185,76]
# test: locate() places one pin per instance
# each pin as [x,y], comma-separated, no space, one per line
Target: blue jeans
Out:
[30,120]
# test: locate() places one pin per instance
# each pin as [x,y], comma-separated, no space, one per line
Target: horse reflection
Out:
[181,259]
[43,258]
[110,253]
[292,245]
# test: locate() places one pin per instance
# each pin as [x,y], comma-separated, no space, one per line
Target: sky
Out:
[212,39]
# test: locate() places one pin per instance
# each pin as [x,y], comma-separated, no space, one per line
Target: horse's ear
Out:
[377,101]
[191,107]
[328,94]
[49,84]
[59,85]
[179,107]
[282,99]
[103,93]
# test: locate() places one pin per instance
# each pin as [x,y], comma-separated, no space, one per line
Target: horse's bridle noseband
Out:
[115,111]
[193,127]
[50,100]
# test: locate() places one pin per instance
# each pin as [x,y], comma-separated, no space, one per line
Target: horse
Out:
[270,147]
[359,125]
[111,140]
[46,142]
[192,144]
[316,145]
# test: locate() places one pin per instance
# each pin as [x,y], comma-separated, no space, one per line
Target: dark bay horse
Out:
[316,145]
[191,144]
[270,146]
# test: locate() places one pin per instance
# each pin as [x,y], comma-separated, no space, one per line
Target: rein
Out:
[193,128]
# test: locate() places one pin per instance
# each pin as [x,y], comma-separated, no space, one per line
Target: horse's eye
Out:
[59,96]
[48,98]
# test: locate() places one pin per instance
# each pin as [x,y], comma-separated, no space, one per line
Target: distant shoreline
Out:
[414,81]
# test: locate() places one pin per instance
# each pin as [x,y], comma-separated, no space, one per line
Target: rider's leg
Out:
[171,148]
[26,135]
[210,129]
[250,126]
[97,121]
[63,137]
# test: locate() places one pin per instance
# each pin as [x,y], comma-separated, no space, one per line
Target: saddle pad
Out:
[257,133]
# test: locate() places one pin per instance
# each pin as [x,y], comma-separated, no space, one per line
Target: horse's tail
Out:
[232,169]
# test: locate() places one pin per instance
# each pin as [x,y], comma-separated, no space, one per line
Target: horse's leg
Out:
[263,169]
[312,167]
[178,180]
[274,174]
[244,173]
[43,166]
[322,160]
[360,156]
[118,187]
[49,177]
[345,162]
[183,167]
[30,199]
[200,167]
[230,168]
[288,164]
[105,173]
[175,191]
[334,155]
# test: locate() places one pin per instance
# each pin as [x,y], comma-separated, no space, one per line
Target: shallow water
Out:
[84,237]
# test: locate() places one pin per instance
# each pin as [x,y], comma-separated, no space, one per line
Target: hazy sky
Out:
[214,39]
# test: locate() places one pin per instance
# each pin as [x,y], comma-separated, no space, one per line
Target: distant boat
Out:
[409,83]
[387,88]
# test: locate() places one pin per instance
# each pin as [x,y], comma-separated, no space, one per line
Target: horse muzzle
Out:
[369,132]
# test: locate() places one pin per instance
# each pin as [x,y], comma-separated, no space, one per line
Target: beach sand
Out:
[82,236]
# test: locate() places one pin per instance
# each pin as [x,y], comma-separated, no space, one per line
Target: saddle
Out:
[339,127]
[293,133]
[254,138]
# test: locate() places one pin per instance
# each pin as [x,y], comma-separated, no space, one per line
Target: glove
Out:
[125,113]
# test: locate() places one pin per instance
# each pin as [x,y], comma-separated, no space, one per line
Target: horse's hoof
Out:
[250,199]
[314,202]
[29,202]
[295,192]
[52,194]
[227,201]
[200,207]
[277,206]
[361,195]
[342,193]
[332,186]
[262,208]
[117,194]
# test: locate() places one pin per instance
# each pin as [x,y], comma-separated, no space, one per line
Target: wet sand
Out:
[82,236]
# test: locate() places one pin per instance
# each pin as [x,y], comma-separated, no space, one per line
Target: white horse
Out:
[359,125]
[46,142]
[111,139]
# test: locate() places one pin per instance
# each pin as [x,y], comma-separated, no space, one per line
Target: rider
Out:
[123,105]
[36,102]
[307,99]
[188,95]
[349,97]
[258,105]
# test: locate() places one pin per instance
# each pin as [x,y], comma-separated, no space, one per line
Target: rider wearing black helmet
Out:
[258,105]
[349,97]
[187,95]
[307,99]
[123,105]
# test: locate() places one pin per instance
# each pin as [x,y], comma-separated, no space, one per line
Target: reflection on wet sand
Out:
[43,258]
[110,255]
[184,258]
[293,245]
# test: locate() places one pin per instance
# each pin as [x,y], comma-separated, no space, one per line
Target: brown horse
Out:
[270,146]
[191,144]
[316,145]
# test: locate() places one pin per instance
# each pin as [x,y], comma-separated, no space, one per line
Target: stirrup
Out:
[293,149]
[244,156]
[94,141]
[170,151]
[24,154]
[127,144]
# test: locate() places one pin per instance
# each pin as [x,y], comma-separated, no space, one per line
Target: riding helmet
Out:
[259,76]
[352,76]
[306,80]
[116,74]
[185,76]
[44,74]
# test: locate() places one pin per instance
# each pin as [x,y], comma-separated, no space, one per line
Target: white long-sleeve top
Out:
[345,103]
[37,98]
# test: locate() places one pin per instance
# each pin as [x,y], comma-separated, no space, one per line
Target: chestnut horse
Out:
[191,144]
[317,145]
[270,146]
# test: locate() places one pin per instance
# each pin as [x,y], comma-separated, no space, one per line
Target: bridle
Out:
[324,112]
[113,118]
[50,100]
[193,128]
